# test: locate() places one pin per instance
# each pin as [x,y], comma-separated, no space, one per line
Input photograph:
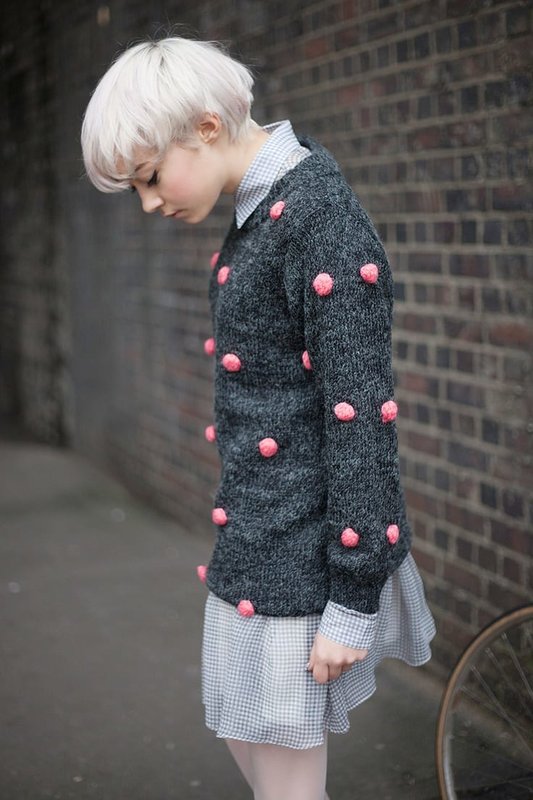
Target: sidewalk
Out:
[101,616]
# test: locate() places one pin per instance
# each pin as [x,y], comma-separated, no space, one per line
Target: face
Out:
[185,185]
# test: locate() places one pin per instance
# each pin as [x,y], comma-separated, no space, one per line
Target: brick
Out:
[511,536]
[511,334]
[420,232]
[516,369]
[383,25]
[421,14]
[490,431]
[494,164]
[465,394]
[421,384]
[487,558]
[464,134]
[442,538]
[442,479]
[444,232]
[512,570]
[424,560]
[465,425]
[469,265]
[491,299]
[423,107]
[446,103]
[442,357]
[403,50]
[464,548]
[513,197]
[520,232]
[466,200]
[470,167]
[513,504]
[425,262]
[467,457]
[492,231]
[421,353]
[505,598]
[424,443]
[461,577]
[465,361]
[468,231]
[348,36]
[444,419]
[518,21]
[518,163]
[316,48]
[443,39]
[421,45]
[411,321]
[466,34]
[469,99]
[495,94]
[468,330]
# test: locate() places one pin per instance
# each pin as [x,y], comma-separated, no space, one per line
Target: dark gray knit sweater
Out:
[310,506]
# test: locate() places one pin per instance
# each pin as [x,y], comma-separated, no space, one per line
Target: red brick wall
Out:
[427,106]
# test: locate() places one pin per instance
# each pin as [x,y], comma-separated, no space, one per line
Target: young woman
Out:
[311,581]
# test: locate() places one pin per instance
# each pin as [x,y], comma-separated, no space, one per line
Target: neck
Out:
[240,155]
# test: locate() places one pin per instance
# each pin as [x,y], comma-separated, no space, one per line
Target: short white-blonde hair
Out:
[154,94]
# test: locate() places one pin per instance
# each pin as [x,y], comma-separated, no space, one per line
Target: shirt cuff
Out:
[348,626]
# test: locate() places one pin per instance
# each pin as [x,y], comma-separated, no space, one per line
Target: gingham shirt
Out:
[280,153]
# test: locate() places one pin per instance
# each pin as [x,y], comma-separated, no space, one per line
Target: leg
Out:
[284,773]
[241,753]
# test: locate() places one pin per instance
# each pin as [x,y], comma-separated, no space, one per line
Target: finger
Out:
[320,673]
[334,672]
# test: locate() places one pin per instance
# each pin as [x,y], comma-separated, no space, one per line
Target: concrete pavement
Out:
[101,616]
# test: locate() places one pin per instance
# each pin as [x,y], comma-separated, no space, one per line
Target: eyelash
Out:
[151,182]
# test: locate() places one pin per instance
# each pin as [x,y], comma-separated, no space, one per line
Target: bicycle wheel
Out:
[484,738]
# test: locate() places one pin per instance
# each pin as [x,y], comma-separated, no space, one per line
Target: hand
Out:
[329,659]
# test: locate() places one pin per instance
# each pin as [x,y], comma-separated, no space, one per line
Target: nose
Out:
[150,200]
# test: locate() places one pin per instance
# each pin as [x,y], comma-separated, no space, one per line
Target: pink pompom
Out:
[389,411]
[219,516]
[201,571]
[214,259]
[209,346]
[223,274]
[268,447]
[323,284]
[369,273]
[231,362]
[344,412]
[306,360]
[245,608]
[210,433]
[349,537]
[277,210]
[393,534]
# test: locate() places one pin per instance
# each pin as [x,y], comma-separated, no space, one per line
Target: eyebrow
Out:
[140,166]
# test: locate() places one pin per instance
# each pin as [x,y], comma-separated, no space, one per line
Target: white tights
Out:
[282,773]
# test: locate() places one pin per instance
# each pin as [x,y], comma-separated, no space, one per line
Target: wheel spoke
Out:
[511,685]
[518,665]
[504,715]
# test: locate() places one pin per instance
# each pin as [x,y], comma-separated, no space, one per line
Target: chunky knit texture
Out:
[310,506]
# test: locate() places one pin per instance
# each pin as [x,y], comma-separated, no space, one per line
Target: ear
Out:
[209,128]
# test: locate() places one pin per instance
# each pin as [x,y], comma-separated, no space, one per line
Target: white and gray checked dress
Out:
[255,684]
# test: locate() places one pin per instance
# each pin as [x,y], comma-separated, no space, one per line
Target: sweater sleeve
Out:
[339,290]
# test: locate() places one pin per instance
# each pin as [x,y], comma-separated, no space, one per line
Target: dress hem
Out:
[344,730]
